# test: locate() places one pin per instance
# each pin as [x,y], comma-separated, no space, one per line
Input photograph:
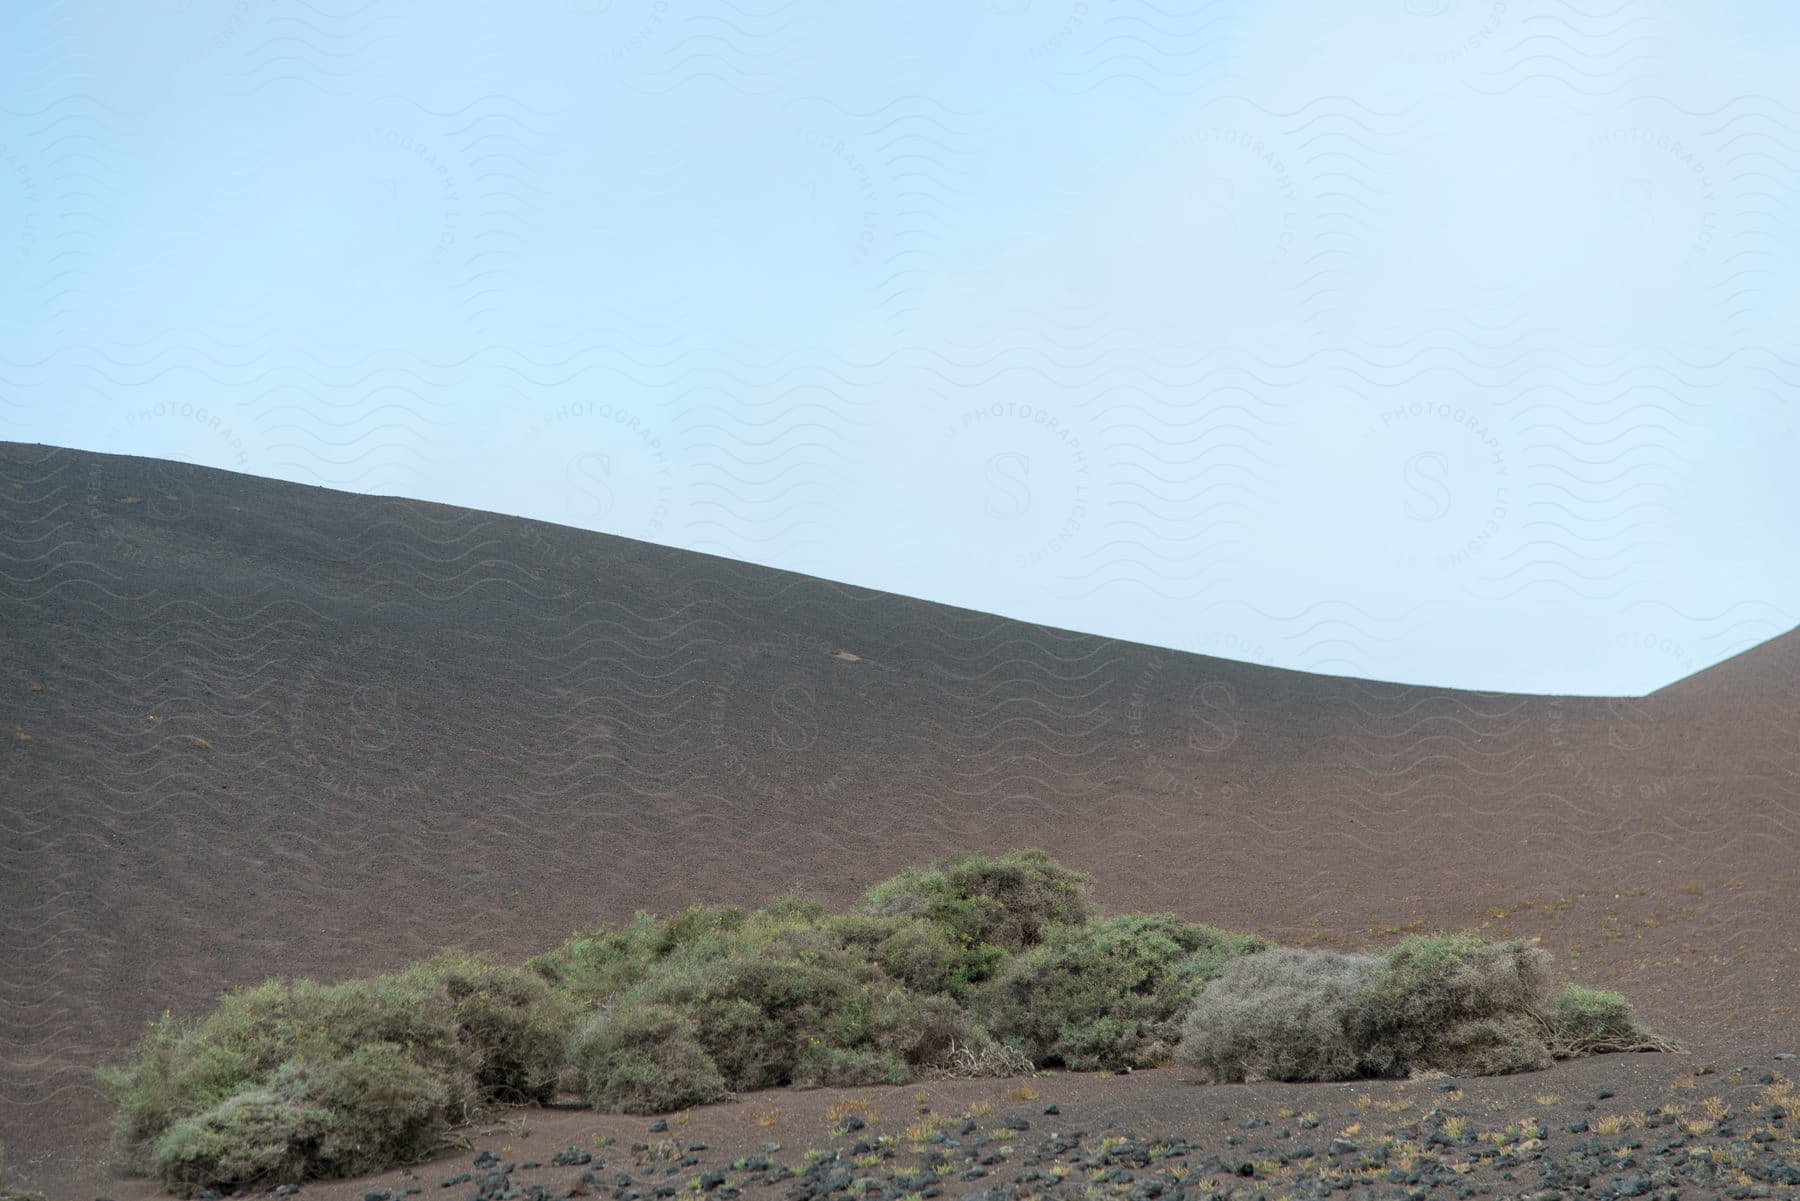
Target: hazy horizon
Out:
[1442,342]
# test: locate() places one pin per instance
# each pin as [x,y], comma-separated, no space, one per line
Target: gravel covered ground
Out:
[1657,1126]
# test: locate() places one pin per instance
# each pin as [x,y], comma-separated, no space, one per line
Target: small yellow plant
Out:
[1023,1092]
[1781,1095]
[924,1128]
[851,1106]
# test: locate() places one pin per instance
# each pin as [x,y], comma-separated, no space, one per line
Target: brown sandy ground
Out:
[252,727]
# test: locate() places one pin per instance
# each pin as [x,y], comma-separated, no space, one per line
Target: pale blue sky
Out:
[1426,340]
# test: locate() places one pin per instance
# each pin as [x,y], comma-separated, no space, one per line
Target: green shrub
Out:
[516,1026]
[822,1066]
[1454,1003]
[423,1048]
[366,1110]
[606,961]
[920,954]
[762,1001]
[1107,994]
[980,901]
[1588,1021]
[643,1059]
[253,1139]
[385,1107]
[176,1070]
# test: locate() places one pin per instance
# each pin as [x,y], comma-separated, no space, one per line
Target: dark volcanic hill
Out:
[256,728]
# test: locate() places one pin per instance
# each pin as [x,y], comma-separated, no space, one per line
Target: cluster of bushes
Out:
[294,1079]
[971,964]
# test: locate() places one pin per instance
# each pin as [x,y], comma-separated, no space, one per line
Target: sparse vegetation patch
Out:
[970,966]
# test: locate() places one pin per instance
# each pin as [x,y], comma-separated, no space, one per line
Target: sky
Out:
[1435,341]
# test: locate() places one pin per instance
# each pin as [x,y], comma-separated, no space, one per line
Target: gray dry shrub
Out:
[1448,1003]
[1282,1015]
